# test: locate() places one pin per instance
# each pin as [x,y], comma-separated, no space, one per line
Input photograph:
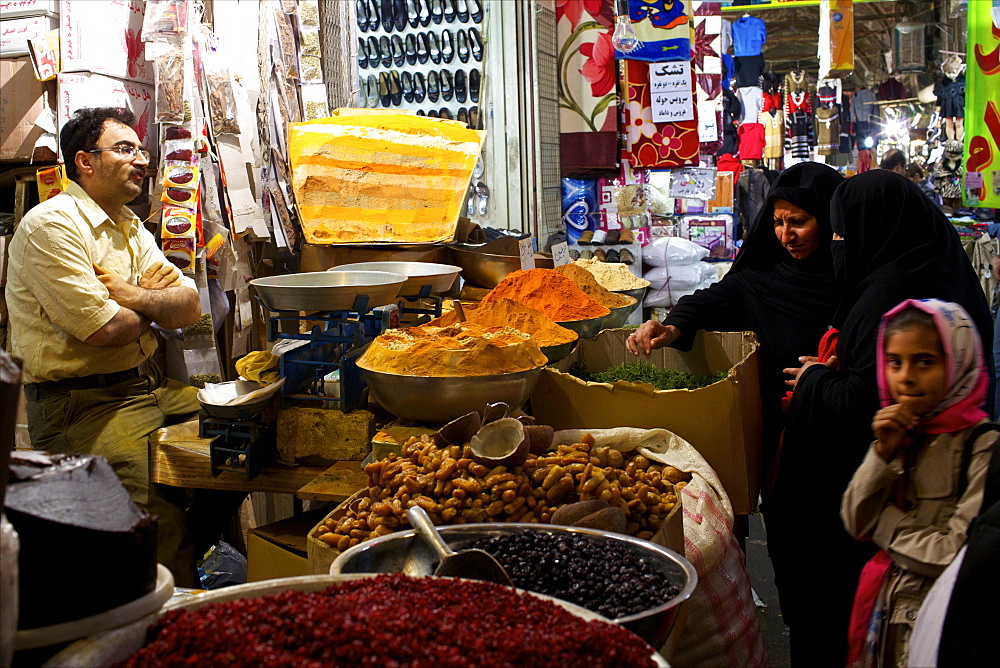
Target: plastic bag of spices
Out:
[169,73]
[722,619]
[221,97]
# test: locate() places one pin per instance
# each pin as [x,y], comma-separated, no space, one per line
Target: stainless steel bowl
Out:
[586,329]
[441,399]
[638,293]
[556,353]
[618,316]
[233,411]
[404,552]
[487,270]
[327,290]
[418,274]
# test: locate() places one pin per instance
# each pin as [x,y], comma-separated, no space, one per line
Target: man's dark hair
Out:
[81,132]
[894,158]
[913,169]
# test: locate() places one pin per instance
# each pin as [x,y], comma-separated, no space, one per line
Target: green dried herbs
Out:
[644,372]
[202,326]
[199,379]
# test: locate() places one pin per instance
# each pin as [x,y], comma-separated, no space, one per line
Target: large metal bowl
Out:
[327,290]
[487,270]
[556,353]
[441,399]
[403,552]
[118,645]
[585,329]
[440,277]
[638,293]
[618,316]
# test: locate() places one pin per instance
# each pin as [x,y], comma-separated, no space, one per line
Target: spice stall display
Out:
[550,293]
[509,313]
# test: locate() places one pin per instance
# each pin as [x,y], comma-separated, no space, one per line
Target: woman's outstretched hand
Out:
[807,361]
[651,335]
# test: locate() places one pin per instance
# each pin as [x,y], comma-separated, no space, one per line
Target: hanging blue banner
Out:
[663,28]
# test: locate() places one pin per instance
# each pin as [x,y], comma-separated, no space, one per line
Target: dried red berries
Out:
[391,620]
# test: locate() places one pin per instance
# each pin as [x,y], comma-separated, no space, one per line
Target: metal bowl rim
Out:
[686,566]
[391,277]
[439,269]
[493,375]
[582,320]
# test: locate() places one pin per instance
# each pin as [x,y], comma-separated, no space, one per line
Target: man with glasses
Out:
[85,282]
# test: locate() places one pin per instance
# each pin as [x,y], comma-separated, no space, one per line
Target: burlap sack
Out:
[721,627]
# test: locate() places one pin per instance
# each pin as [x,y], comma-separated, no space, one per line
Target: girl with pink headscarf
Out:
[921,482]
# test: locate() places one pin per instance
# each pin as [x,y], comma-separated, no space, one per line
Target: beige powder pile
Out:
[612,276]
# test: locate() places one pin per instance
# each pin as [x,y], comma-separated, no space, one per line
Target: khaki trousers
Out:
[115,422]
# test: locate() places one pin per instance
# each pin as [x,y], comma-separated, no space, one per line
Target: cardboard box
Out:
[13,8]
[22,99]
[278,550]
[84,89]
[105,38]
[722,421]
[320,258]
[16,33]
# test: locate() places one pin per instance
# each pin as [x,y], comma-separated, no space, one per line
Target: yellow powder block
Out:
[324,434]
[385,178]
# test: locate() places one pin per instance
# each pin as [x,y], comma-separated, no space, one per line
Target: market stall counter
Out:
[179,457]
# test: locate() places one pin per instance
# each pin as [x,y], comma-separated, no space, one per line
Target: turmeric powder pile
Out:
[550,293]
[586,282]
[464,349]
[505,312]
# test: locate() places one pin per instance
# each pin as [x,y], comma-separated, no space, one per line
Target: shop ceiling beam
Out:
[800,36]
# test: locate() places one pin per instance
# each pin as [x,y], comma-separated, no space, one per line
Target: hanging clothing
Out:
[728,70]
[948,178]
[773,121]
[732,110]
[896,245]
[796,82]
[799,124]
[863,106]
[826,96]
[727,36]
[892,89]
[749,70]
[752,98]
[951,96]
[830,87]
[749,36]
[771,83]
[827,130]
[751,141]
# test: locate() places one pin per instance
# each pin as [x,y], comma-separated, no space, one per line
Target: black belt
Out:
[48,388]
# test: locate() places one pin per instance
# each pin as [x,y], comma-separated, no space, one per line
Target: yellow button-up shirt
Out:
[53,295]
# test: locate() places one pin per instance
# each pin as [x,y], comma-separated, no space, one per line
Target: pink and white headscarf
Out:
[968,381]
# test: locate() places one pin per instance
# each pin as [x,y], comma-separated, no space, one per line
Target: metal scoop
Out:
[471,564]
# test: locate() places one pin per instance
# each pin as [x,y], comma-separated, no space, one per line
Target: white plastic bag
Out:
[666,296]
[669,251]
[679,276]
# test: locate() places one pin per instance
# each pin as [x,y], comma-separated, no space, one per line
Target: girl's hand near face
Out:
[890,426]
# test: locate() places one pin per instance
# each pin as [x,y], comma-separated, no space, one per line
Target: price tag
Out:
[973,179]
[527,251]
[560,254]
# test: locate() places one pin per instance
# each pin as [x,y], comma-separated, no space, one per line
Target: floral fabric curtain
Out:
[648,144]
[588,97]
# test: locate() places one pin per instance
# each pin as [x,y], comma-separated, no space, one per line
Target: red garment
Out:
[827,349]
[727,162]
[751,141]
[869,584]
[771,101]
[798,102]
[864,160]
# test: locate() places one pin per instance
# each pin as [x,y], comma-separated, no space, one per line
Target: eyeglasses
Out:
[129,151]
